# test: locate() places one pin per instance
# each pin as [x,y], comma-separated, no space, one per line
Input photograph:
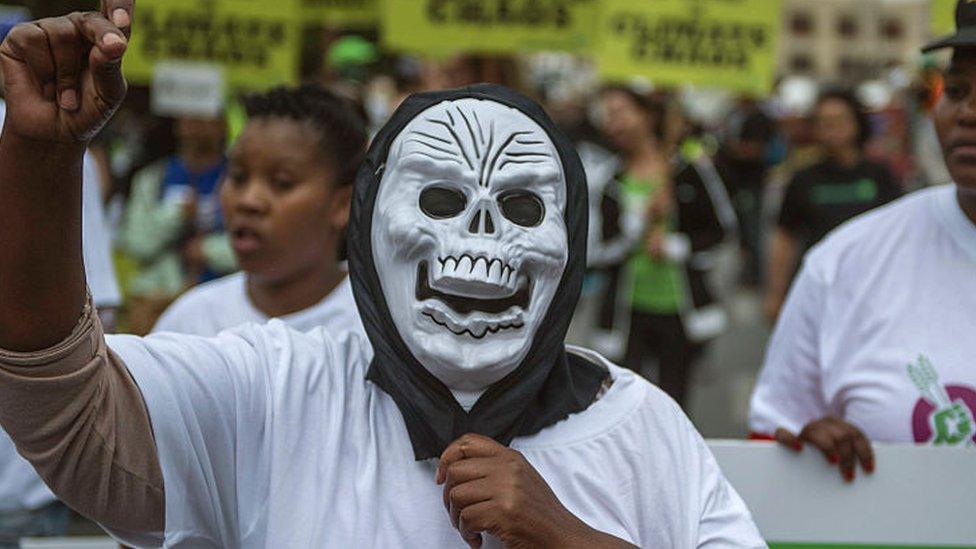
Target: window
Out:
[892,29]
[801,24]
[848,67]
[801,63]
[847,26]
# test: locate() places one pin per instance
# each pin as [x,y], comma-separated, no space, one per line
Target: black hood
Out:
[548,385]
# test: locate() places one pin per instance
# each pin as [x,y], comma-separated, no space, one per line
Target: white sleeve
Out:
[97,241]
[789,392]
[208,402]
[725,520]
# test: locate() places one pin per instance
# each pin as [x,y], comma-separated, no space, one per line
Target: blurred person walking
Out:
[173,225]
[819,198]
[286,202]
[659,219]
[745,160]
[875,341]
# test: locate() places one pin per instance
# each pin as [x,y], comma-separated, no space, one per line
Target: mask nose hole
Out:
[481,222]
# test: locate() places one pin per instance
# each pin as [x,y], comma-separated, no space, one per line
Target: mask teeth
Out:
[494,271]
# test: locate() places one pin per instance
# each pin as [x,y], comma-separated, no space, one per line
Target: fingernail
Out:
[69,100]
[112,39]
[798,446]
[869,467]
[849,476]
[834,458]
[121,18]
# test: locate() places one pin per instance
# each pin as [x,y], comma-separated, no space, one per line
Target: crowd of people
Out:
[361,285]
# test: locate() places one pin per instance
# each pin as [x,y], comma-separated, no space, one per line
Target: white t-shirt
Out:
[215,306]
[880,328]
[269,437]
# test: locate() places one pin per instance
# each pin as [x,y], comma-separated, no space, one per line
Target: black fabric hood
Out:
[548,385]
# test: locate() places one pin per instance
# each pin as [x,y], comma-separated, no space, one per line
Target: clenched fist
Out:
[491,489]
[63,75]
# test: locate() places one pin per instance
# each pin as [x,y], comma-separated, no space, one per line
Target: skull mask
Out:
[469,239]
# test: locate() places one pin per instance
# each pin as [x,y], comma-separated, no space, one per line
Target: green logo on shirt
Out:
[944,414]
[860,191]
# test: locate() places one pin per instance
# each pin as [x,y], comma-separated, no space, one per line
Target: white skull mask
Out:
[469,238]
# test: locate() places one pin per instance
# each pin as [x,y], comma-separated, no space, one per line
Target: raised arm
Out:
[63,82]
[68,401]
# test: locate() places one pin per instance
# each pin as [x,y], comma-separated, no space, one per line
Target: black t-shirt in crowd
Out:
[825,195]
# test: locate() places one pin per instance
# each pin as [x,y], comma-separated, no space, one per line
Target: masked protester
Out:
[466,420]
[874,343]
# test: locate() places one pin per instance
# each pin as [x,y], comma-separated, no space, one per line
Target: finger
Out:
[100,32]
[120,13]
[466,495]
[465,471]
[27,45]
[788,439]
[844,441]
[821,439]
[473,520]
[864,451]
[105,59]
[67,48]
[468,446]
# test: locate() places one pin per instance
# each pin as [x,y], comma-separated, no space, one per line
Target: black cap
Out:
[965,36]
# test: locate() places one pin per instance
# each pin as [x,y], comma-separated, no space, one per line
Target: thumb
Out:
[788,439]
[105,61]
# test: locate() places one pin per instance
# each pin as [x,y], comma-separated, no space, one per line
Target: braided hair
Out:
[341,129]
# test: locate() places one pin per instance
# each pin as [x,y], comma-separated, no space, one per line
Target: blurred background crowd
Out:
[708,180]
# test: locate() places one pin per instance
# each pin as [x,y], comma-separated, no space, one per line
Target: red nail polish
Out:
[834,458]
[849,476]
[798,446]
[869,467]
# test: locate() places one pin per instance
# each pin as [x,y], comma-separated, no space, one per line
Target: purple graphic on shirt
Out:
[946,425]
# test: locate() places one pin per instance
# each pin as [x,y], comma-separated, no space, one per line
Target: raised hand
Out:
[63,76]
[491,489]
[840,442]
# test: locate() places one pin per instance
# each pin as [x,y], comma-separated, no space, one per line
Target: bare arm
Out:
[783,249]
[66,400]
[55,104]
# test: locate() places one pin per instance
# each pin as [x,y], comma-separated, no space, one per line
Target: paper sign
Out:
[488,26]
[346,14]
[257,42]
[725,44]
[188,89]
[943,17]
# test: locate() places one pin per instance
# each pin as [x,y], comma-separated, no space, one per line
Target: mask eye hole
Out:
[441,202]
[522,208]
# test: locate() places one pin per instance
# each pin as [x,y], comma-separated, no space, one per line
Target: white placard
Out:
[918,495]
[188,89]
[69,543]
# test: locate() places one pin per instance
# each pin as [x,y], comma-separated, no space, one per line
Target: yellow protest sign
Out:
[258,43]
[726,44]
[342,13]
[488,26]
[943,17]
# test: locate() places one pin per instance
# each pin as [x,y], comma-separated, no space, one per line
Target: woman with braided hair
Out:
[286,202]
